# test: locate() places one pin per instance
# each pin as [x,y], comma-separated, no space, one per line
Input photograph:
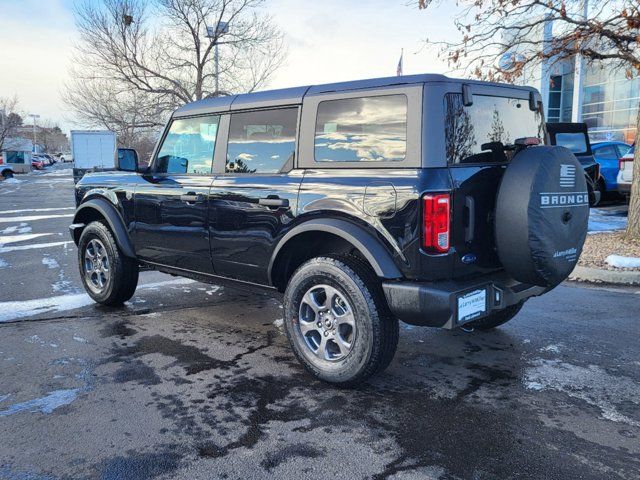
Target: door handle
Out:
[273,202]
[192,197]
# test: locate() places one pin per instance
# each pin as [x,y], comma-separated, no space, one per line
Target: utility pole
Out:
[34,117]
[214,34]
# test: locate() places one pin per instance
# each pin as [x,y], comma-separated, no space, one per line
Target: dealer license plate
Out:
[472,305]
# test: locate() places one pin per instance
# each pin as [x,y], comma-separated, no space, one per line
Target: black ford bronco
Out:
[421,198]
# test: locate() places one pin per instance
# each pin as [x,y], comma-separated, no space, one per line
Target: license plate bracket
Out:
[471,305]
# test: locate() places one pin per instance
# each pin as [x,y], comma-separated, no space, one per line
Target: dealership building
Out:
[576,91]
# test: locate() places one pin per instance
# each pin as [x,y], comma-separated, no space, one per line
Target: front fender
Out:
[370,247]
[106,210]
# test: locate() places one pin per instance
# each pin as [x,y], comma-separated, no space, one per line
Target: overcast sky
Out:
[328,41]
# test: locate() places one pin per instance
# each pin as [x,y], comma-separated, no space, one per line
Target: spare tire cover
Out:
[542,213]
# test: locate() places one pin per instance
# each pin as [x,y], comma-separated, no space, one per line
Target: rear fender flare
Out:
[371,248]
[113,219]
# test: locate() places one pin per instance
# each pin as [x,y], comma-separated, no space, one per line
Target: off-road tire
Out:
[376,332]
[123,277]
[495,319]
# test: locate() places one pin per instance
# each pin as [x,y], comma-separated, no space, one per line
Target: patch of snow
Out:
[46,404]
[12,181]
[26,210]
[551,348]
[10,229]
[619,261]
[591,384]
[80,339]
[33,246]
[24,229]
[601,220]
[278,322]
[6,239]
[4,397]
[27,308]
[32,218]
[3,263]
[51,263]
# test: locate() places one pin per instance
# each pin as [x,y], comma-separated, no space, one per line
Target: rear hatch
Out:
[481,139]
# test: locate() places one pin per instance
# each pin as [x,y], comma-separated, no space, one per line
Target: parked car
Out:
[625,174]
[50,159]
[575,137]
[608,154]
[362,203]
[6,172]
[37,162]
[64,157]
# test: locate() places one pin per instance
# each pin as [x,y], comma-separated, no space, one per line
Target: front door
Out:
[254,200]
[171,204]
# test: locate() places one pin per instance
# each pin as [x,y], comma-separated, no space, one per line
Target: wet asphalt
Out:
[196,381]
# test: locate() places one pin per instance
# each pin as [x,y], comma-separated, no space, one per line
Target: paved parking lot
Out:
[196,381]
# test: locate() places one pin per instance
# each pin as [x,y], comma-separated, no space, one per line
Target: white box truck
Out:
[92,150]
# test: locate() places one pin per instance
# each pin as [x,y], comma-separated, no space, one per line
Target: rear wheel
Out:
[337,320]
[108,276]
[7,174]
[495,319]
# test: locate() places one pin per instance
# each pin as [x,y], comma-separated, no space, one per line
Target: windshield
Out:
[487,130]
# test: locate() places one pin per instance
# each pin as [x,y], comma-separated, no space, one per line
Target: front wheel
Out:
[108,276]
[337,320]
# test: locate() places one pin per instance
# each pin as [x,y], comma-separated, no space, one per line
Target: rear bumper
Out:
[434,304]
[624,187]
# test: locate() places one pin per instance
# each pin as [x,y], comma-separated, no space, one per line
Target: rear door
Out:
[479,144]
[255,191]
[171,203]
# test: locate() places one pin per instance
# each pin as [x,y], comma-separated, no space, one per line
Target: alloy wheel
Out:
[327,323]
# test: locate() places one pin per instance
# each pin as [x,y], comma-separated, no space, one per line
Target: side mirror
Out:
[127,160]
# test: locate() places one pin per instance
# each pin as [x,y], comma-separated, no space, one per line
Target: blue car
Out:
[607,155]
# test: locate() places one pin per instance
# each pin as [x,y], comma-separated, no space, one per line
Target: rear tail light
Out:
[436,224]
[623,161]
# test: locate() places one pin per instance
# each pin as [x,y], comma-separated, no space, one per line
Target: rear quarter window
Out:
[363,129]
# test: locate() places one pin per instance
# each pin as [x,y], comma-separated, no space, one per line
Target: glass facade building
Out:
[610,104]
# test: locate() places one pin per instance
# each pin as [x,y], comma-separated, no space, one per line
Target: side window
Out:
[364,129]
[263,141]
[189,145]
[608,152]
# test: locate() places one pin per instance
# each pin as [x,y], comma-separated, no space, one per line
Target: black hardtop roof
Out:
[293,96]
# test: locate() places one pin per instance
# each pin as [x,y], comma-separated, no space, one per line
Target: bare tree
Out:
[491,29]
[10,118]
[51,137]
[139,59]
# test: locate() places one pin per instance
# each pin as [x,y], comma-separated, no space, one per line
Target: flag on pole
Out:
[399,70]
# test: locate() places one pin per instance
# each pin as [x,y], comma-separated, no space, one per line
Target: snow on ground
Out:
[32,218]
[29,210]
[6,239]
[3,263]
[601,220]
[27,308]
[51,263]
[590,384]
[619,261]
[33,246]
[46,404]
[12,181]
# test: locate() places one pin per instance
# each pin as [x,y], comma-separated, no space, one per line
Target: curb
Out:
[597,275]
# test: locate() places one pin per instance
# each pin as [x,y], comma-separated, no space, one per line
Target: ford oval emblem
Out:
[469,258]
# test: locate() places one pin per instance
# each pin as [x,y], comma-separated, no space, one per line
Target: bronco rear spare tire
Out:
[542,212]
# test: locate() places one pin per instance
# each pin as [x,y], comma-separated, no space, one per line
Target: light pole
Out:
[214,33]
[34,116]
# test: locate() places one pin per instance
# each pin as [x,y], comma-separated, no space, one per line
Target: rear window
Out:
[485,132]
[365,129]
[576,142]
